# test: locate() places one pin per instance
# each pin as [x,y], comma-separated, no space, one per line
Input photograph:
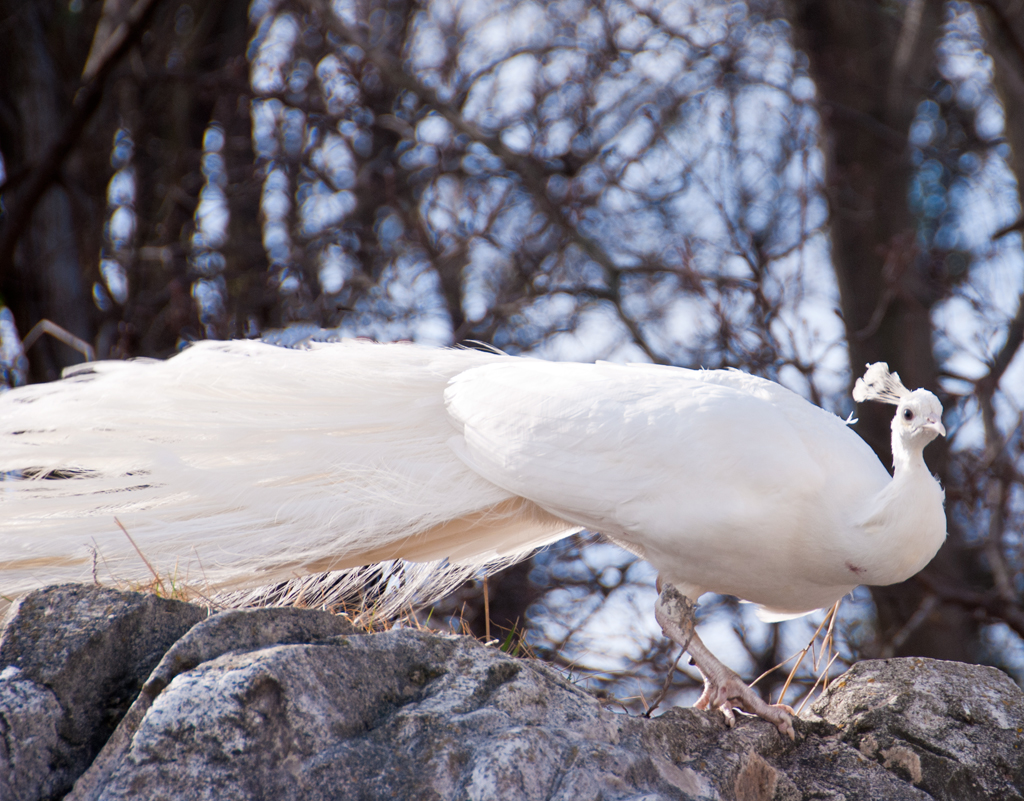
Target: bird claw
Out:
[733,694]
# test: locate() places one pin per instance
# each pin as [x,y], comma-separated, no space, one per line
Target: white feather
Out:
[243,464]
[725,482]
[239,465]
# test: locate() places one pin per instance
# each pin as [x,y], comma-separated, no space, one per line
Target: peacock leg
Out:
[723,688]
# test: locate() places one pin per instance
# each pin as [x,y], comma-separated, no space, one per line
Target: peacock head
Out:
[918,417]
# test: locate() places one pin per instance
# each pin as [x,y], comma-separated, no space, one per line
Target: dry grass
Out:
[822,647]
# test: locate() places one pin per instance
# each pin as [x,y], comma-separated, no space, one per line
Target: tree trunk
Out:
[872,69]
[1003,23]
[45,279]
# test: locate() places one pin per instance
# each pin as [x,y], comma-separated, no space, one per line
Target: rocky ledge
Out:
[109,695]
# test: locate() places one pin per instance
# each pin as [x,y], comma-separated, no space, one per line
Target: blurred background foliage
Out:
[790,188]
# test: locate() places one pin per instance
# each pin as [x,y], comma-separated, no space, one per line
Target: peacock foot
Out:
[731,692]
[723,688]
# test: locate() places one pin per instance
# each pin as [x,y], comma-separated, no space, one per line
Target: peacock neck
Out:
[906,524]
[907,462]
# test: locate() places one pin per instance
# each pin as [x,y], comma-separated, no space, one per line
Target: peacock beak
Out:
[935,424]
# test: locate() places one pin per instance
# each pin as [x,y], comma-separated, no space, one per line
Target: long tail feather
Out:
[241,465]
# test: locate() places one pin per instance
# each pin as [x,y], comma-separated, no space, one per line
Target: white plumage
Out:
[242,464]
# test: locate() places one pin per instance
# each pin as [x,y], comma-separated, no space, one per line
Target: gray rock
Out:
[30,745]
[72,659]
[237,631]
[956,731]
[403,714]
[411,715]
[282,704]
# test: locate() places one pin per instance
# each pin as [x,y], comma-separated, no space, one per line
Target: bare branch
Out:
[530,173]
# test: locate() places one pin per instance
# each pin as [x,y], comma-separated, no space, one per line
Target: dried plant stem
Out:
[664,687]
[827,643]
[142,556]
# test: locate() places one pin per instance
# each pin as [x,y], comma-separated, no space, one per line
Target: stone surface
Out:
[283,703]
[237,631]
[403,714]
[955,731]
[72,659]
[31,752]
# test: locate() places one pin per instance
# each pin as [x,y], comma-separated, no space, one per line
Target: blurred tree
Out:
[879,74]
[694,182]
[873,69]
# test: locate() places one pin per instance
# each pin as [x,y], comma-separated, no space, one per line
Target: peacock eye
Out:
[908,414]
